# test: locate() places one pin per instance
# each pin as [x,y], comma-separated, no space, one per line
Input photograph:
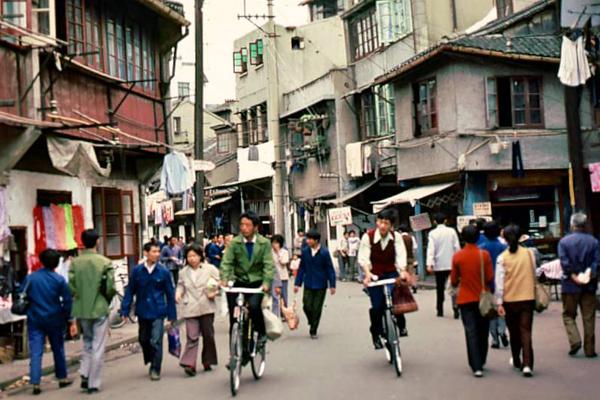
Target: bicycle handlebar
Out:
[382,282]
[243,290]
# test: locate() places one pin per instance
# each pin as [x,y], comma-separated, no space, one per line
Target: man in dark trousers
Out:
[152,285]
[316,272]
[382,253]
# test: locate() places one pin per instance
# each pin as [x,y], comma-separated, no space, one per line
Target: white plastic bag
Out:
[273,324]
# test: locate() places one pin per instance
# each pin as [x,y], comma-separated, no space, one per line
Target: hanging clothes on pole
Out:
[176,176]
[60,229]
[78,224]
[50,228]
[39,230]
[574,69]
[517,160]
[69,232]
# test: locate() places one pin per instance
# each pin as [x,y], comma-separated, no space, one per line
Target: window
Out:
[93,41]
[321,9]
[263,131]
[368,122]
[43,11]
[224,143]
[425,94]
[15,12]
[514,102]
[504,7]
[113,219]
[297,43]
[253,125]
[394,19]
[75,26]
[256,52]
[240,61]
[363,34]
[183,89]
[385,109]
[243,130]
[177,125]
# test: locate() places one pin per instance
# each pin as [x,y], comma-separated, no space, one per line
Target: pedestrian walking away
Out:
[171,258]
[248,263]
[281,259]
[196,294]
[515,293]
[152,285]
[382,253]
[579,254]
[316,272]
[442,244]
[342,256]
[490,242]
[91,279]
[49,310]
[469,266]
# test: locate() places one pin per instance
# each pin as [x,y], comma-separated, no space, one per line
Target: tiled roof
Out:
[501,24]
[544,46]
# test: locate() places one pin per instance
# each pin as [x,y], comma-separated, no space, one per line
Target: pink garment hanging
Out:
[78,224]
[39,230]
[60,228]
[595,176]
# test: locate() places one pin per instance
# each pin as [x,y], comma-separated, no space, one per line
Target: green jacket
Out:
[85,279]
[236,266]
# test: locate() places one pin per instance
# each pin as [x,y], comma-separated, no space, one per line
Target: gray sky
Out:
[221,28]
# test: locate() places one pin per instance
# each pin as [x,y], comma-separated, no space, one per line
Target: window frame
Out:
[527,109]
[183,87]
[224,143]
[432,110]
[103,192]
[364,35]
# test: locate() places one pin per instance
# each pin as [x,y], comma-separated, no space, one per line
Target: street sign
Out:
[482,209]
[420,222]
[340,216]
[203,165]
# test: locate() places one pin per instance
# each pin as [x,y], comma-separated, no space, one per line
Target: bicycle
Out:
[242,328]
[121,282]
[391,334]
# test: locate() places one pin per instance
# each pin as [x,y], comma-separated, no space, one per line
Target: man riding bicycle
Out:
[382,253]
[248,262]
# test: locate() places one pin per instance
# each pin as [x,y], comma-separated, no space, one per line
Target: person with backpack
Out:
[91,280]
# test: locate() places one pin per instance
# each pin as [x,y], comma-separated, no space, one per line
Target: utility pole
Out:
[273,123]
[572,113]
[199,122]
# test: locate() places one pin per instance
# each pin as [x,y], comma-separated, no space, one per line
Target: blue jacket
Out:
[49,297]
[214,250]
[154,293]
[495,248]
[316,271]
[165,256]
[578,252]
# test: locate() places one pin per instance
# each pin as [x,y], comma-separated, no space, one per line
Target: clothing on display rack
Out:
[39,230]
[57,227]
[49,228]
[70,242]
[78,224]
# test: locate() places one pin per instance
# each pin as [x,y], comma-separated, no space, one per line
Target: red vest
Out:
[382,261]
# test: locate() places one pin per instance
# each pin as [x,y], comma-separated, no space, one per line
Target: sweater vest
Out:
[382,260]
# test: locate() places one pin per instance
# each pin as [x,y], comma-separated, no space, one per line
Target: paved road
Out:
[342,365]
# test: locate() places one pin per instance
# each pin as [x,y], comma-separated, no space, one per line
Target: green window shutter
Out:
[385,20]
[237,62]
[253,53]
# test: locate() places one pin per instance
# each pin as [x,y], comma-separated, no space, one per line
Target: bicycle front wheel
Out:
[393,342]
[259,361]
[235,362]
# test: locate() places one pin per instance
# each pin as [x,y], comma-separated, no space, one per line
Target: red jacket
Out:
[466,273]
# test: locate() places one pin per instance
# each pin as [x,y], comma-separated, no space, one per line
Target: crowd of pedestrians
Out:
[172,274]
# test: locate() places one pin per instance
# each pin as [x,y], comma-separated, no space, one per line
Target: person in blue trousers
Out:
[49,310]
[153,287]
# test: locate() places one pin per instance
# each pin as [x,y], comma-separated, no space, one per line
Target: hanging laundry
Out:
[574,69]
[595,176]
[39,230]
[168,212]
[69,232]
[366,152]
[50,228]
[4,230]
[354,159]
[158,216]
[176,175]
[78,225]
[60,229]
[517,160]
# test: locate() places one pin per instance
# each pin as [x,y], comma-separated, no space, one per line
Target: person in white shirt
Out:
[382,253]
[281,258]
[353,245]
[442,243]
[342,256]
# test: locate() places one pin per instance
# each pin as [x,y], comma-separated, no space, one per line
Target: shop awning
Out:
[348,196]
[212,203]
[410,196]
[237,183]
[220,200]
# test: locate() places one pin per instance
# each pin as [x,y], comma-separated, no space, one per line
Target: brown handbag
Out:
[403,300]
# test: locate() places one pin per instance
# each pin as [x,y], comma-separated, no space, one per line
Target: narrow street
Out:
[342,365]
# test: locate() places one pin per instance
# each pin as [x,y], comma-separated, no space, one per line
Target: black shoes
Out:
[63,383]
[92,390]
[403,333]
[377,344]
[575,349]
[593,355]
[36,390]
[456,313]
[495,345]
[84,383]
[504,340]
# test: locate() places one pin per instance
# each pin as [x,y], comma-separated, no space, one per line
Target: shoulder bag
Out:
[487,302]
[542,294]
[21,303]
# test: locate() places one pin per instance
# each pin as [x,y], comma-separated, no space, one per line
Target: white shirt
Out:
[315,250]
[353,245]
[364,251]
[281,260]
[442,244]
[253,240]
[149,267]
